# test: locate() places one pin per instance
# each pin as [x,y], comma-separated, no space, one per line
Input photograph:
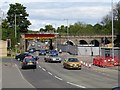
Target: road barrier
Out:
[106,61]
[85,64]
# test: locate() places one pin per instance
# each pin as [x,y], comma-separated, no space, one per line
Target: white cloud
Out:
[44,12]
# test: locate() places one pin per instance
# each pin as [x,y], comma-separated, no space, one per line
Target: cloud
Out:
[87,14]
[43,12]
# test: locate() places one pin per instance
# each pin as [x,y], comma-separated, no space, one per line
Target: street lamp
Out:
[112,31]
[67,29]
[15,27]
[67,35]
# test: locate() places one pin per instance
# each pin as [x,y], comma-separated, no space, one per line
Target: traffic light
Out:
[8,43]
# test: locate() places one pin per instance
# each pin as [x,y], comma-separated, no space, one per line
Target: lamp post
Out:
[67,34]
[15,27]
[67,29]
[112,31]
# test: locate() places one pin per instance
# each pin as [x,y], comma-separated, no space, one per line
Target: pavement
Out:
[12,77]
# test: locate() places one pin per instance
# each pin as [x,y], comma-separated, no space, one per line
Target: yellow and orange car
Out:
[72,63]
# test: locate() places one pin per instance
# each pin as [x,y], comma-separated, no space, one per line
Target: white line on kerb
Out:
[23,76]
[58,78]
[39,66]
[50,73]
[43,69]
[76,85]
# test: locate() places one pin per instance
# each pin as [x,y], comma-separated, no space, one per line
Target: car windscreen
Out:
[73,60]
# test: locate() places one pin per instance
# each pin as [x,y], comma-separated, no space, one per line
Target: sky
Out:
[61,12]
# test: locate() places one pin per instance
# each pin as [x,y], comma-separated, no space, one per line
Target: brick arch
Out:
[95,43]
[69,42]
[82,42]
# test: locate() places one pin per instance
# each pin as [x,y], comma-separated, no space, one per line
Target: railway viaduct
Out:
[80,40]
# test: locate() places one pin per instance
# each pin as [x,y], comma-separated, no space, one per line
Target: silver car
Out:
[52,58]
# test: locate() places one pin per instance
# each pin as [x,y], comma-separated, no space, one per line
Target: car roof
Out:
[28,57]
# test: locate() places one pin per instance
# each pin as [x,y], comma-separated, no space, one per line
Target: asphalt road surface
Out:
[53,75]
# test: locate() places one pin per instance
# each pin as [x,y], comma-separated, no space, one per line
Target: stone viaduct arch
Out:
[80,40]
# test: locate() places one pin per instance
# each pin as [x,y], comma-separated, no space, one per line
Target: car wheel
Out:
[35,67]
[18,59]
[59,61]
[22,67]
[64,67]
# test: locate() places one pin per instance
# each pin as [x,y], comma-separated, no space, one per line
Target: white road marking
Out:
[50,73]
[58,78]
[76,85]
[43,69]
[39,66]
[23,76]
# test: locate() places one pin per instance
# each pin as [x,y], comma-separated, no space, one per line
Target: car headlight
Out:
[71,64]
[60,59]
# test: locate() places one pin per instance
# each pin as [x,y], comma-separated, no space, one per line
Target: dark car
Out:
[35,57]
[42,52]
[20,57]
[53,52]
[116,88]
[29,62]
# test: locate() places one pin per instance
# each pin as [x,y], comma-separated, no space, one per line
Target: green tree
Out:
[117,24]
[8,24]
[62,30]
[19,11]
[107,23]
[49,28]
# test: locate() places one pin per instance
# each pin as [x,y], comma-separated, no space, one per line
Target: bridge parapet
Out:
[87,39]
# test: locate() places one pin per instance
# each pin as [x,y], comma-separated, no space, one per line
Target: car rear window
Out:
[29,59]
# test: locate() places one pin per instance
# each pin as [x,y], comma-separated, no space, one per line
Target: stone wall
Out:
[3,48]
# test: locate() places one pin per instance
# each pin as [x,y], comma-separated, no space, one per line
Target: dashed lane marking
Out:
[58,78]
[39,66]
[43,69]
[50,73]
[76,85]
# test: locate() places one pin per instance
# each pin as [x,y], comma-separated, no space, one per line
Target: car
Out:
[42,52]
[33,44]
[72,63]
[116,88]
[38,45]
[35,57]
[20,57]
[52,58]
[53,52]
[31,50]
[29,62]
